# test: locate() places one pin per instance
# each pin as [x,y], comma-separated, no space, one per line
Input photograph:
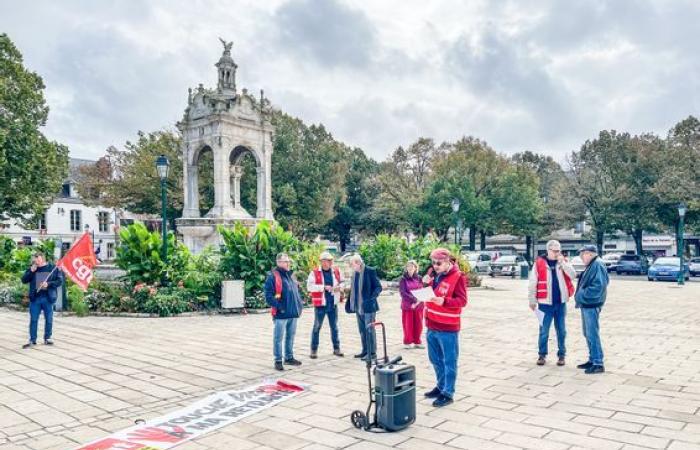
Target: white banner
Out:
[208,414]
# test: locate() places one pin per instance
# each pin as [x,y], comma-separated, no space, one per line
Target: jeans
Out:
[591,331]
[319,315]
[284,328]
[443,351]
[35,308]
[556,314]
[369,345]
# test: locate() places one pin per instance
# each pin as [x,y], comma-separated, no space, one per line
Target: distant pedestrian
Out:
[364,290]
[590,296]
[551,285]
[282,295]
[44,279]
[326,285]
[411,308]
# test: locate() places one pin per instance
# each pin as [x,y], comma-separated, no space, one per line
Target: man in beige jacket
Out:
[550,287]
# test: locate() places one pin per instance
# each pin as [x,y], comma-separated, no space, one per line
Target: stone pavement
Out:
[103,373]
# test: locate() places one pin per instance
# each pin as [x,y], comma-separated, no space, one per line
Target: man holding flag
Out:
[44,281]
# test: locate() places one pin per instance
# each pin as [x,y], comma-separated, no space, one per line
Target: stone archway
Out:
[237,169]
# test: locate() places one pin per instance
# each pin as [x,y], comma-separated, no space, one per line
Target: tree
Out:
[32,168]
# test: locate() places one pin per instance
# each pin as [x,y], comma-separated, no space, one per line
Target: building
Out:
[67,218]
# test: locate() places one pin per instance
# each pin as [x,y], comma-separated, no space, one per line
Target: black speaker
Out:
[395,393]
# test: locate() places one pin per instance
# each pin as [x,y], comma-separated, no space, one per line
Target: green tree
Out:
[32,168]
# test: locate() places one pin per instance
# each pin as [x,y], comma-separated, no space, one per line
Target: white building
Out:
[67,218]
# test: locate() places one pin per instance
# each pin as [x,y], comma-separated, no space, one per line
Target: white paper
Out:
[424,294]
[540,315]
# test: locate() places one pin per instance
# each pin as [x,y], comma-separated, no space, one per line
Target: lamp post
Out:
[455,209]
[681,216]
[163,165]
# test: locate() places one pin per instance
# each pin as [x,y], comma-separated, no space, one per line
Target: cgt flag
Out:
[79,262]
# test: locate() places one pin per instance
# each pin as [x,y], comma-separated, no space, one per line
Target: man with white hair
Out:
[364,290]
[551,286]
[325,284]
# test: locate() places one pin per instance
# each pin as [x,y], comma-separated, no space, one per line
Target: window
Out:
[75,220]
[41,223]
[110,250]
[103,221]
[65,190]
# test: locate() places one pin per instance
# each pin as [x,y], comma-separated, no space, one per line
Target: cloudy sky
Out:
[522,75]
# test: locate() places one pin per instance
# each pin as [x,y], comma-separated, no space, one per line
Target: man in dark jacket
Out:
[282,295]
[44,279]
[590,298]
[364,290]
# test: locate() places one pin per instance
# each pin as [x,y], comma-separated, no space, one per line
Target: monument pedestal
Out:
[198,233]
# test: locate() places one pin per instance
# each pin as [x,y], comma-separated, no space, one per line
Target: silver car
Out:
[479,262]
[694,266]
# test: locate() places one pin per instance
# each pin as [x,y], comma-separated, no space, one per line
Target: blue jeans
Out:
[35,308]
[319,315]
[443,351]
[591,331]
[367,336]
[284,329]
[556,314]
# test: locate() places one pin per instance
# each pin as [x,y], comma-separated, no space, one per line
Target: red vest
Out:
[542,269]
[319,298]
[443,314]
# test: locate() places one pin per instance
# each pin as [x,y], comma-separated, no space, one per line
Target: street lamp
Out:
[455,209]
[163,165]
[681,215]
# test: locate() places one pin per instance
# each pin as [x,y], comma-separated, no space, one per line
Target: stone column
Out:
[267,209]
[236,174]
[260,214]
[190,186]
[222,184]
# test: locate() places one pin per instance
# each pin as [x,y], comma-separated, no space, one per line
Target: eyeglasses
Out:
[283,262]
[438,263]
[555,251]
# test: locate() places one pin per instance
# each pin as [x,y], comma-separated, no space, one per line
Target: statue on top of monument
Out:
[227,46]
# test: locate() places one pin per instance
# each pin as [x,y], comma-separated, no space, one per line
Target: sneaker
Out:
[278,365]
[540,361]
[561,361]
[442,400]
[361,355]
[419,346]
[408,346]
[585,365]
[595,369]
[48,341]
[313,355]
[292,362]
[338,353]
[369,358]
[29,344]
[434,393]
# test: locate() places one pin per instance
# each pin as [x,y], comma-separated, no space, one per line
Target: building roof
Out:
[74,165]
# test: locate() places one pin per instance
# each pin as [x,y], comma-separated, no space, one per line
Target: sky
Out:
[535,75]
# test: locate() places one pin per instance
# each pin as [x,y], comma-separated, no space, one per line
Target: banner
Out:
[208,414]
[78,263]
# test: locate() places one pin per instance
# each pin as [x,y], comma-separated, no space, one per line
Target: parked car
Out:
[694,267]
[632,264]
[479,262]
[508,265]
[667,268]
[610,261]
[578,265]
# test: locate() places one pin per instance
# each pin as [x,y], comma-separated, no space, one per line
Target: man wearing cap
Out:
[325,284]
[590,298]
[443,320]
[550,287]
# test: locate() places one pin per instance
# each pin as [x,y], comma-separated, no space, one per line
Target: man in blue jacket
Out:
[282,295]
[590,298]
[44,279]
[364,290]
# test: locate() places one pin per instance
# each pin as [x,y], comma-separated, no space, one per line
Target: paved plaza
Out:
[105,373]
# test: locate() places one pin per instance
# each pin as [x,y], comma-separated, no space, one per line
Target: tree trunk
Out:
[637,236]
[472,237]
[483,240]
[599,238]
[343,245]
[528,249]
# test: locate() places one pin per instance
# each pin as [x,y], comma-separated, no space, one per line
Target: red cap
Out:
[440,253]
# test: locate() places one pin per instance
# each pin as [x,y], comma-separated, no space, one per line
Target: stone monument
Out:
[230,125]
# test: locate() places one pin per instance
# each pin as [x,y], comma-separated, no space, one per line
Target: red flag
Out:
[79,262]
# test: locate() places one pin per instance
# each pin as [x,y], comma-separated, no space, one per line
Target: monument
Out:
[230,125]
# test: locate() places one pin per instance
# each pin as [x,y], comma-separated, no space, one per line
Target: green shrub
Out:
[76,300]
[109,297]
[387,254]
[168,302]
[200,275]
[7,248]
[14,291]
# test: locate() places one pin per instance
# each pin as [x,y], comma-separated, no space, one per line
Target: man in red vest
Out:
[551,285]
[325,284]
[442,318]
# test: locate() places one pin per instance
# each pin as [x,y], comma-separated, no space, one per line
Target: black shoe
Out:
[361,355]
[292,362]
[29,344]
[278,365]
[369,358]
[585,365]
[313,355]
[541,361]
[595,369]
[435,393]
[48,341]
[561,361]
[442,400]
[338,353]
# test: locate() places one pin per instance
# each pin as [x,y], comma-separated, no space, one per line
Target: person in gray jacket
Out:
[590,298]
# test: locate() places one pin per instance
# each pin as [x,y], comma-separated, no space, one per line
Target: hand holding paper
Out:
[423,295]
